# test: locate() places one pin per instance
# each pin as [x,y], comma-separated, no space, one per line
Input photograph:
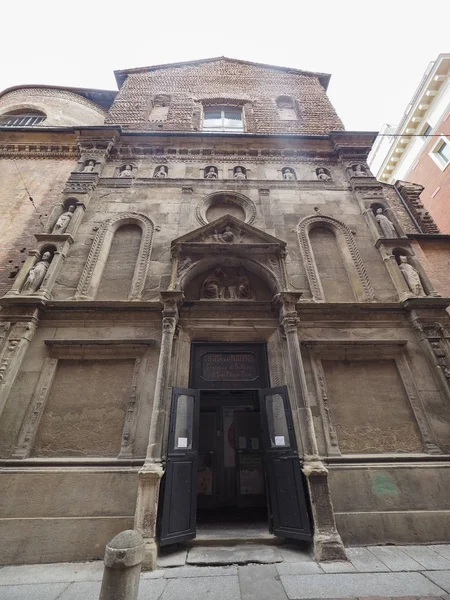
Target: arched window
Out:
[22,118]
[286,108]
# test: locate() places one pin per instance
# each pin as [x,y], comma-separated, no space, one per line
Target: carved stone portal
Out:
[220,285]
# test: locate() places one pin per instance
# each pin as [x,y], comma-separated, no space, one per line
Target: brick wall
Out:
[436,195]
[256,88]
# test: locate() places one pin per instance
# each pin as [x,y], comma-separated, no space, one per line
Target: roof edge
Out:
[122,74]
[88,93]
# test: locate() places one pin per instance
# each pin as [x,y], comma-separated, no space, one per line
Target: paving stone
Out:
[364,561]
[151,589]
[338,566]
[441,578]
[152,574]
[291,553]
[52,573]
[428,558]
[234,555]
[442,549]
[358,585]
[260,582]
[204,588]
[298,568]
[172,559]
[395,559]
[200,572]
[87,590]
[41,591]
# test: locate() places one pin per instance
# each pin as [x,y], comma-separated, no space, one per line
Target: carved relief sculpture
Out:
[220,286]
[359,171]
[288,174]
[211,173]
[322,175]
[64,220]
[411,276]
[227,235]
[89,167]
[36,274]
[161,172]
[127,172]
[239,174]
[386,226]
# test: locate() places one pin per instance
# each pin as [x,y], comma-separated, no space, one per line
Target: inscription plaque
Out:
[228,366]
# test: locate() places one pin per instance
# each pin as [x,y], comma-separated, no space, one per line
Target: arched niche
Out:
[232,203]
[262,283]
[351,259]
[101,246]
[58,210]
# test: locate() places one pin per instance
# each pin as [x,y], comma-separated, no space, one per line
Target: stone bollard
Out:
[123,557]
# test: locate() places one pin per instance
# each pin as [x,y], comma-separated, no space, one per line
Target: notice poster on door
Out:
[251,477]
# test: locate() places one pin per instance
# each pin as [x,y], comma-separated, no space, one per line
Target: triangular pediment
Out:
[228,231]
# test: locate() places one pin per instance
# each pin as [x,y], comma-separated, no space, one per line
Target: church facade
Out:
[211,307]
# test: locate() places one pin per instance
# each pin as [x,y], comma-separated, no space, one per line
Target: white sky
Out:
[376,50]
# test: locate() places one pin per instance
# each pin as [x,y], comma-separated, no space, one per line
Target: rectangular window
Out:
[427,130]
[440,152]
[226,119]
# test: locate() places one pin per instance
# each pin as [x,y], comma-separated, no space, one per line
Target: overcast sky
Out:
[376,51]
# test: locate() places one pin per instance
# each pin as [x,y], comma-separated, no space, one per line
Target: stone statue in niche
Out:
[288,174]
[227,235]
[220,286]
[239,173]
[161,172]
[127,172]
[36,274]
[411,276]
[359,171]
[211,173]
[89,167]
[64,220]
[386,226]
[322,175]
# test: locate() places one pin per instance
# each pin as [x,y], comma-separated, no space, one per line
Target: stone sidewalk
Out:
[288,573]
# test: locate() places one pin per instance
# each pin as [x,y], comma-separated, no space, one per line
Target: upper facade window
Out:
[286,108]
[226,119]
[21,119]
[440,152]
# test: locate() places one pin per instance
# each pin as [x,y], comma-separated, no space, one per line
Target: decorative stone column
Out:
[327,541]
[151,473]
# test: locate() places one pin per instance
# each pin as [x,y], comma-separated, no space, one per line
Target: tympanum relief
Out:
[224,285]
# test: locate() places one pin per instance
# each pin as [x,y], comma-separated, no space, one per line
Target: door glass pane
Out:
[184,422]
[276,418]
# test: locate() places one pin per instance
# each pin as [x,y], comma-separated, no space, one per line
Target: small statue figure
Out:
[227,234]
[64,220]
[89,167]
[211,174]
[386,226]
[322,175]
[161,172]
[36,274]
[359,171]
[127,172]
[212,286]
[239,174]
[288,174]
[411,276]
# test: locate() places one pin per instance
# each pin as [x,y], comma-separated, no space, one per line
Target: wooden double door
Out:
[234,448]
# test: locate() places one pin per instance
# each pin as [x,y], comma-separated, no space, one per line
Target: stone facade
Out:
[98,324]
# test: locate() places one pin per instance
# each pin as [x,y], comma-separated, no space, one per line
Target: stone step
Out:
[217,535]
[241,554]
